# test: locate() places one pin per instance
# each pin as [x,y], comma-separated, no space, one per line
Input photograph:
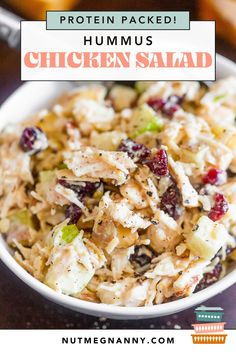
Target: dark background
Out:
[20,306]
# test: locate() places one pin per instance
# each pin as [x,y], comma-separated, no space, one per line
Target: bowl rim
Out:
[113,311]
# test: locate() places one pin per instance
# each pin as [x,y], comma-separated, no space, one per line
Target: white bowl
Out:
[36,95]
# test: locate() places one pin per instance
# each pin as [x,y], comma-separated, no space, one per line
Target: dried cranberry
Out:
[167,106]
[138,152]
[74,213]
[210,278]
[82,189]
[172,105]
[159,163]
[156,103]
[33,140]
[215,177]
[171,201]
[141,257]
[219,208]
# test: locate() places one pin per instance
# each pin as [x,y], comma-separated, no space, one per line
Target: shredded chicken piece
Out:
[164,290]
[122,213]
[168,264]
[125,292]
[91,114]
[70,195]
[120,262]
[149,189]
[90,162]
[165,235]
[189,194]
[189,278]
[136,197]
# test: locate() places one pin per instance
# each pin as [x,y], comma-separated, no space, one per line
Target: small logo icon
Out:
[210,328]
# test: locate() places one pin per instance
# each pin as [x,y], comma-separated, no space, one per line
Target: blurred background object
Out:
[10,28]
[36,9]
[224,13]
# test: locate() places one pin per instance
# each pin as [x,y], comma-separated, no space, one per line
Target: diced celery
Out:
[141,86]
[69,233]
[108,141]
[23,217]
[220,97]
[144,119]
[46,176]
[62,166]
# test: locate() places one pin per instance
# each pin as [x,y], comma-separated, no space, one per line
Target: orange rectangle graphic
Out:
[209,338]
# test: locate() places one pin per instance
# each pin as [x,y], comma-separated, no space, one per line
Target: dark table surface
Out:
[22,307]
